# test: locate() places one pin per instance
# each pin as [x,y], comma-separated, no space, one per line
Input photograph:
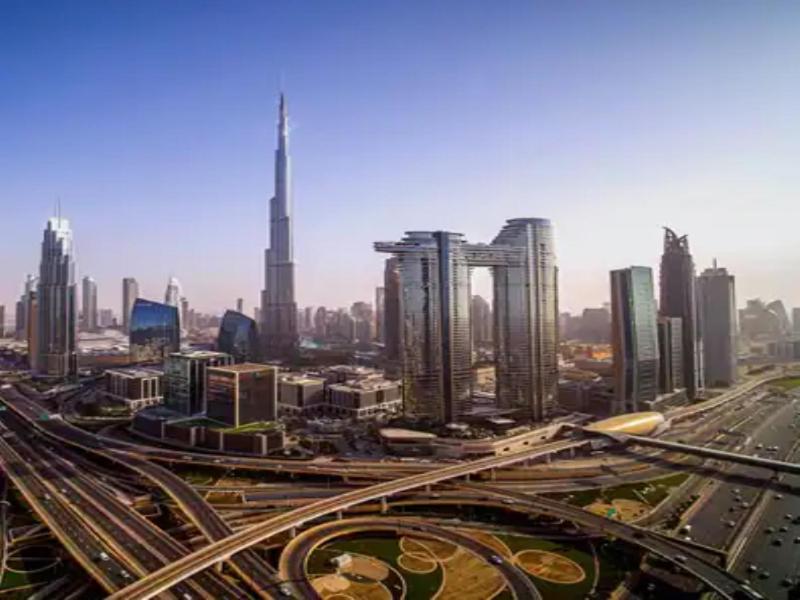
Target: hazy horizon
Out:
[155,124]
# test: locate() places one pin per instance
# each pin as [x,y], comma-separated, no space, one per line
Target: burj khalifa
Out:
[278,306]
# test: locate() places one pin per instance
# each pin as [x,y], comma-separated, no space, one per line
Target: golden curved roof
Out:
[640,423]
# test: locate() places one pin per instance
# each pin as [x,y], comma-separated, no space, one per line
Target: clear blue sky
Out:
[154,122]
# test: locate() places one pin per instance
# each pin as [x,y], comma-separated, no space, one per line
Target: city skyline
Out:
[714,161]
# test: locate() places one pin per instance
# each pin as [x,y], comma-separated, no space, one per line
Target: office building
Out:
[238,336]
[300,394]
[137,387]
[634,338]
[154,331]
[320,322]
[796,321]
[2,321]
[278,306]
[130,292]
[670,353]
[57,310]
[364,399]
[185,379]
[481,321]
[32,329]
[242,394]
[89,304]
[716,302]
[240,305]
[380,300]
[678,299]
[434,280]
[172,295]
[187,319]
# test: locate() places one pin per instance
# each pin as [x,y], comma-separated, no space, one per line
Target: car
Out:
[285,590]
[745,505]
[103,556]
[751,568]
[777,542]
[778,496]
[508,501]
[788,516]
[496,559]
[731,523]
[436,495]
[769,530]
[681,558]
[783,528]
[797,540]
[759,446]
[763,575]
[737,492]
[787,582]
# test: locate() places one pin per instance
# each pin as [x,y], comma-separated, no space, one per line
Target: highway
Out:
[249,566]
[128,535]
[294,558]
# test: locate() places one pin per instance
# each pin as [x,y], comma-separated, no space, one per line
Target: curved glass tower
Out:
[155,331]
[238,336]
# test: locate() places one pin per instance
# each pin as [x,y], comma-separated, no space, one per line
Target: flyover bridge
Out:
[702,451]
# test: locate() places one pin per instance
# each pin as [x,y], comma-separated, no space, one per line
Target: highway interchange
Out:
[40,451]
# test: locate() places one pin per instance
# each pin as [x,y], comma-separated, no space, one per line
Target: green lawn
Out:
[253,427]
[652,492]
[788,383]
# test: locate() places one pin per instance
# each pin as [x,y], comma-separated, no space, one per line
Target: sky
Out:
[154,123]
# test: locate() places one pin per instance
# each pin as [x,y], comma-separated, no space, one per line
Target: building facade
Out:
[278,306]
[138,387]
[300,394]
[185,379]
[678,299]
[434,280]
[634,338]
[154,331]
[89,304]
[670,353]
[130,292]
[172,295]
[716,297]
[364,399]
[392,312]
[481,321]
[380,300]
[57,355]
[242,394]
[238,336]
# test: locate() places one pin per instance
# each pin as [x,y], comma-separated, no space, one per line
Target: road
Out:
[294,559]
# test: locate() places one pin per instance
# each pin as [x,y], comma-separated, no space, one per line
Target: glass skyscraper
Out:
[238,336]
[89,304]
[155,331]
[678,299]
[130,292]
[634,338]
[436,321]
[56,296]
[716,300]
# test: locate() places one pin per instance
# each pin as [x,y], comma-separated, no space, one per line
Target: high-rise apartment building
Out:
[89,304]
[434,287]
[56,297]
[130,292]
[716,298]
[185,379]
[392,312]
[670,353]
[106,318]
[481,321]
[678,299]
[278,306]
[634,338]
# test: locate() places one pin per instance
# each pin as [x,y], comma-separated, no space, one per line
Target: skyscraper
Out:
[2,321]
[716,299]
[670,353]
[796,320]
[130,292]
[634,338]
[678,299]
[434,291]
[32,329]
[392,312]
[154,332]
[278,307]
[481,321]
[89,304]
[380,299]
[56,297]
[240,305]
[172,295]
[21,314]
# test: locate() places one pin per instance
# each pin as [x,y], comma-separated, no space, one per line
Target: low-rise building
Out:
[137,387]
[300,394]
[364,398]
[185,378]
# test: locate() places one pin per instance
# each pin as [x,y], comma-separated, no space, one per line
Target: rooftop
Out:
[135,372]
[244,368]
[395,433]
[198,354]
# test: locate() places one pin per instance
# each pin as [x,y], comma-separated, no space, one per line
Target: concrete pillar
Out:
[293,532]
[427,488]
[339,515]
[384,505]
[572,452]
[548,458]
[468,477]
[493,474]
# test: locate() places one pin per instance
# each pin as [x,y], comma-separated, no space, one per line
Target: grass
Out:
[651,492]
[253,427]
[789,383]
